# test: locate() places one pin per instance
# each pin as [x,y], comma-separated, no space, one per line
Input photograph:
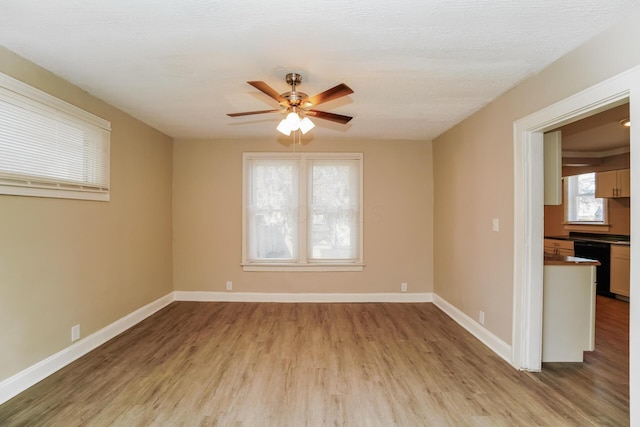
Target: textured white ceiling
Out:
[417,67]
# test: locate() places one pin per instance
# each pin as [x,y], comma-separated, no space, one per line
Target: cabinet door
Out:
[620,266]
[606,183]
[566,252]
[624,183]
[559,247]
[553,168]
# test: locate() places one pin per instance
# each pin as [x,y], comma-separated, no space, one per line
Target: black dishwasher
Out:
[602,252]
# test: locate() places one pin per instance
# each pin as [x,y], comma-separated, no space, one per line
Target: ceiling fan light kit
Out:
[298,105]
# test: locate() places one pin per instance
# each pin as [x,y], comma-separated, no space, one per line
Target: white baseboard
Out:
[300,297]
[19,382]
[498,346]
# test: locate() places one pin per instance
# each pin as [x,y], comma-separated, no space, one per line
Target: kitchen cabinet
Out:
[612,184]
[620,266]
[558,247]
[553,168]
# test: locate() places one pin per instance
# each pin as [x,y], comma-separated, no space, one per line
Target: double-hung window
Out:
[302,211]
[49,148]
[581,204]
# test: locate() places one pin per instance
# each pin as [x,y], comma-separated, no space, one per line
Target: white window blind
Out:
[50,148]
[334,209]
[273,210]
[302,211]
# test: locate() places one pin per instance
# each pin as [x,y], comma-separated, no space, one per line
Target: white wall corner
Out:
[498,346]
[21,381]
[302,297]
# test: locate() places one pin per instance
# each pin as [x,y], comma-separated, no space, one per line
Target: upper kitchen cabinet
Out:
[553,168]
[611,184]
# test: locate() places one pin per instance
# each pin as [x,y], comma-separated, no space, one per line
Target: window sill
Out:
[302,267]
[54,193]
[586,226]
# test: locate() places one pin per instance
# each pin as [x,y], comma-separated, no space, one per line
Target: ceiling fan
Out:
[299,105]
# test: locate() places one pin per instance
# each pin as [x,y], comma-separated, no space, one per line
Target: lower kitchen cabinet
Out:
[620,266]
[558,247]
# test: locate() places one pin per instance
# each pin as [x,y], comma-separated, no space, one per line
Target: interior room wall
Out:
[619,161]
[398,219]
[473,178]
[619,219]
[68,262]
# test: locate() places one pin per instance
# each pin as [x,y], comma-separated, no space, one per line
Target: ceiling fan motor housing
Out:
[293,98]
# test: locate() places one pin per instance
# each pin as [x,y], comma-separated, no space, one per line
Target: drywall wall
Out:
[398,219]
[619,219]
[68,262]
[473,178]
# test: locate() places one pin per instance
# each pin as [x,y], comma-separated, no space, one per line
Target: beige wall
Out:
[207,224]
[68,262]
[619,218]
[473,178]
[619,161]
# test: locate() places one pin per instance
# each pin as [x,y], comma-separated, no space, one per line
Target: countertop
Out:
[555,259]
[591,239]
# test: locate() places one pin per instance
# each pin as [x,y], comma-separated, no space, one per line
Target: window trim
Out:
[304,264]
[21,94]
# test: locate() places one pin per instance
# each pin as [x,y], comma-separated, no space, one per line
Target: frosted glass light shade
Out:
[284,127]
[306,125]
[293,120]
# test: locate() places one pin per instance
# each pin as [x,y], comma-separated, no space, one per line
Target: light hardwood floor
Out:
[263,364]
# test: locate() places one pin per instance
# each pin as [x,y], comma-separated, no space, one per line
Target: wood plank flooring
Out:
[264,364]
[600,385]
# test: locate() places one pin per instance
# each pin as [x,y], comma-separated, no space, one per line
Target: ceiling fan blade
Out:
[248,113]
[329,94]
[265,88]
[338,118]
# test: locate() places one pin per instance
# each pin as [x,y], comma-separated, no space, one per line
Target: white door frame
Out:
[529,210]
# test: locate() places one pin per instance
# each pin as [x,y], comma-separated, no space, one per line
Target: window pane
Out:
[272,210]
[587,184]
[589,208]
[334,209]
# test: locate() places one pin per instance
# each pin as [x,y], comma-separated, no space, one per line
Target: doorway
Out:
[528,212]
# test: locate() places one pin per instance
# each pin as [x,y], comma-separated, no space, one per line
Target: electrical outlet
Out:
[481,317]
[403,287]
[229,286]
[75,333]
[496,224]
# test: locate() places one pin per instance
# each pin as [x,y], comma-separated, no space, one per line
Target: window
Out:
[302,211]
[581,205]
[49,148]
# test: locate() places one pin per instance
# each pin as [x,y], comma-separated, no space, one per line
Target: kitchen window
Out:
[302,212]
[581,205]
